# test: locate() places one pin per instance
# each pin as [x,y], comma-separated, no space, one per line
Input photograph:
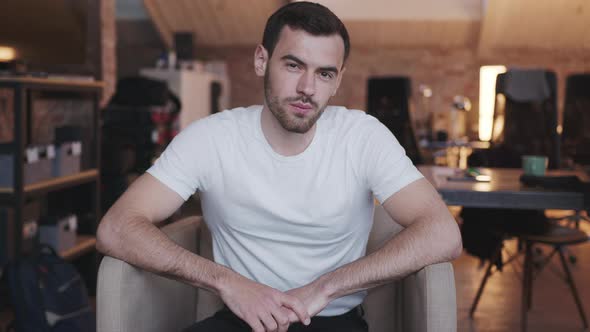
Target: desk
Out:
[503,191]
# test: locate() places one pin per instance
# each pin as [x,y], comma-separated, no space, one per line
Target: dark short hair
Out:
[310,17]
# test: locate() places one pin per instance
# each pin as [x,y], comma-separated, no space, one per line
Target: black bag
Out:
[48,295]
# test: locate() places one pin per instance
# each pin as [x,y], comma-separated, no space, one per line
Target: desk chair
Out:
[530,233]
[575,138]
[510,141]
[388,101]
[525,123]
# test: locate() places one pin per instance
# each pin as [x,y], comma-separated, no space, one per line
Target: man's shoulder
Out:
[340,117]
[238,114]
[241,117]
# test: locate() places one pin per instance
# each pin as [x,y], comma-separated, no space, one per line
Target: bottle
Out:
[171,59]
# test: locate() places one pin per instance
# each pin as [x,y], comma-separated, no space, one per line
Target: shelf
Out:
[7,193]
[84,244]
[62,182]
[63,81]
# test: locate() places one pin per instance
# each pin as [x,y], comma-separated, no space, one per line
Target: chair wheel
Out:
[573,259]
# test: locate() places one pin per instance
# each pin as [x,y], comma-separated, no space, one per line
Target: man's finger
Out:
[255,325]
[297,306]
[292,316]
[281,316]
[269,322]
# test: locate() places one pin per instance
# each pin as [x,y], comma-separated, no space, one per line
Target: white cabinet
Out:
[200,92]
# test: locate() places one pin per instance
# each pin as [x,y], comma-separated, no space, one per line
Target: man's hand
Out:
[313,297]
[264,308]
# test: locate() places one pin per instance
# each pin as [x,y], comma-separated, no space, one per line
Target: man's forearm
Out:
[423,243]
[142,244]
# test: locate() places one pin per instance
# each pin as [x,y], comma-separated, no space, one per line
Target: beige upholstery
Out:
[131,300]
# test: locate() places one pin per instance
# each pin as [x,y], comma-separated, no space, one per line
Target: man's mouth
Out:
[301,108]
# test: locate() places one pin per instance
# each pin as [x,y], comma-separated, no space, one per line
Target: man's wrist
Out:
[222,279]
[327,288]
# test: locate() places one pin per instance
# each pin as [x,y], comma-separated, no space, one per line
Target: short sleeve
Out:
[385,167]
[184,166]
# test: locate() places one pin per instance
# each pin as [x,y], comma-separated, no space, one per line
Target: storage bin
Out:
[37,165]
[67,159]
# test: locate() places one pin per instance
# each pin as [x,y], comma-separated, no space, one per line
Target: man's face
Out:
[302,75]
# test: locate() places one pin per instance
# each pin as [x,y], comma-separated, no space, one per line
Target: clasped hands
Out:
[266,309]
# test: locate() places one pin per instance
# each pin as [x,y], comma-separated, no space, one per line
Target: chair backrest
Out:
[575,137]
[527,125]
[388,100]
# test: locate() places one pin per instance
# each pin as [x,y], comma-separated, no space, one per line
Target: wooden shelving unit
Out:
[78,102]
[34,97]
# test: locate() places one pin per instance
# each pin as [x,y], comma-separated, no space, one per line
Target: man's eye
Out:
[326,75]
[292,66]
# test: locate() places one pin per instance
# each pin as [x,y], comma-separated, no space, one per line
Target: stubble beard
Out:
[300,124]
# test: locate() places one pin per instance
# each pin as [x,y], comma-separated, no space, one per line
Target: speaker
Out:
[388,101]
[183,45]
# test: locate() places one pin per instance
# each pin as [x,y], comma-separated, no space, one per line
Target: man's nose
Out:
[306,84]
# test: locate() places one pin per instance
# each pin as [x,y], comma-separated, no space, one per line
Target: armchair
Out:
[130,299]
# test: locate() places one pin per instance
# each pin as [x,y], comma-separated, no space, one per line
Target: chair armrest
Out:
[423,301]
[430,300]
[130,299]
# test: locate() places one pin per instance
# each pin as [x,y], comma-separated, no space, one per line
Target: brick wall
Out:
[447,72]
[108,42]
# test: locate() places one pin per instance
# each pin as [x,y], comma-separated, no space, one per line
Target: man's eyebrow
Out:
[293,58]
[300,62]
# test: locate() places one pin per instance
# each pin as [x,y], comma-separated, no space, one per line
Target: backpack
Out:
[48,295]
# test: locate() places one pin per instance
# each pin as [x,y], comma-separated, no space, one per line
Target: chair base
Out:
[527,282]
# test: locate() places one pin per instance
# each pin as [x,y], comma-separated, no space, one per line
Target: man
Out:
[287,192]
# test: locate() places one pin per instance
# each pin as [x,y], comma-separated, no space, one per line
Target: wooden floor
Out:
[553,306]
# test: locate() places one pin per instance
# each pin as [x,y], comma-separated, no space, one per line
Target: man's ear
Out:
[260,60]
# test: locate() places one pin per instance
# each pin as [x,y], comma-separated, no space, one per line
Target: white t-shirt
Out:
[285,221]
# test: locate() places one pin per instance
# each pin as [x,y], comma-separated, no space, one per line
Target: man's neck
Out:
[284,142]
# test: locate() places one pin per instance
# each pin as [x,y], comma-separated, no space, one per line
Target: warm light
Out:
[7,53]
[487,97]
[499,117]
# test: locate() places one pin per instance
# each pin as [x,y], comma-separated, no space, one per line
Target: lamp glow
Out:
[487,99]
[7,53]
